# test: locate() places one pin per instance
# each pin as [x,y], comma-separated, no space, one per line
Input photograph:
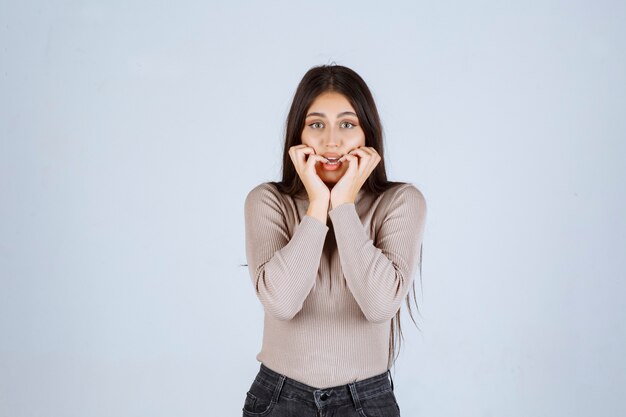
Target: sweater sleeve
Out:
[283,268]
[380,273]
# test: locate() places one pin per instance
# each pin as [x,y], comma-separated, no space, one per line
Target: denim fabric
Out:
[275,395]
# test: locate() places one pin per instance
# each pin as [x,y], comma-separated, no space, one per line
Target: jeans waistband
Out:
[351,392]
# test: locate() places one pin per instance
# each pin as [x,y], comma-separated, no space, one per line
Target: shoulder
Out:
[265,193]
[405,194]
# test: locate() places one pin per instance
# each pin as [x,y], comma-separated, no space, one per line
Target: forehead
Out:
[331,103]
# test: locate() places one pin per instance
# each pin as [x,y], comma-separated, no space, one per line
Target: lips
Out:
[331,157]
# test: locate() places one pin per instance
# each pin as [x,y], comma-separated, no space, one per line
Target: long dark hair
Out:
[340,79]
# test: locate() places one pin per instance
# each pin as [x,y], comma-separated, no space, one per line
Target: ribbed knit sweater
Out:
[329,291]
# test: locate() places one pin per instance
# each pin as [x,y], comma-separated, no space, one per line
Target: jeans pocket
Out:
[383,404]
[259,400]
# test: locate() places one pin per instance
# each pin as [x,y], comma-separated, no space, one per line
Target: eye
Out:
[348,123]
[315,123]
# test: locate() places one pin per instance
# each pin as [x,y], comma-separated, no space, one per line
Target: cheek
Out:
[307,139]
[357,138]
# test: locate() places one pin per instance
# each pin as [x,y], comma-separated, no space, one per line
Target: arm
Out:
[379,274]
[283,270]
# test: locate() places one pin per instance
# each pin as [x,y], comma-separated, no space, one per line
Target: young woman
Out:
[332,250]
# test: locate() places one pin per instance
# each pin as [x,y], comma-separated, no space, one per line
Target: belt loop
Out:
[279,387]
[355,397]
[390,378]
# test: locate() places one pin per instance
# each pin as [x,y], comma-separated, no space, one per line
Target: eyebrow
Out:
[323,115]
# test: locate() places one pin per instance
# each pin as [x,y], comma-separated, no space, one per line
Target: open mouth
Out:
[333,161]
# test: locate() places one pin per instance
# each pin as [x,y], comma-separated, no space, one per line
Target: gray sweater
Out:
[330,290]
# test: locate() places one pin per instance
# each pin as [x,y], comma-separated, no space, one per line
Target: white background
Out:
[131,132]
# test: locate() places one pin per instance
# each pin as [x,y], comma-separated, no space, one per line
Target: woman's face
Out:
[332,129]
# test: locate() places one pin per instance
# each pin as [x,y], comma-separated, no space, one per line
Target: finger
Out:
[300,145]
[374,153]
[372,161]
[307,150]
[353,164]
[299,153]
[343,158]
[293,149]
[314,159]
[369,154]
[364,157]
[362,152]
[296,148]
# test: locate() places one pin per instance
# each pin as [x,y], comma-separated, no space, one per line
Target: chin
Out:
[331,179]
[331,176]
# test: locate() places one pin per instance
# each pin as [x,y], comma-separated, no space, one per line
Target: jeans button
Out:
[324,396]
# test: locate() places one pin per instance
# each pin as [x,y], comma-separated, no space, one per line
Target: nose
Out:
[331,138]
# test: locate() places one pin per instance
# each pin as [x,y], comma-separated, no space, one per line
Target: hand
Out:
[304,159]
[361,163]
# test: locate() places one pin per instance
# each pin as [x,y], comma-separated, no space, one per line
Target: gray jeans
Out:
[275,395]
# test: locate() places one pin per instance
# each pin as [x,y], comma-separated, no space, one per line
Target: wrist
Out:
[318,209]
[337,203]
